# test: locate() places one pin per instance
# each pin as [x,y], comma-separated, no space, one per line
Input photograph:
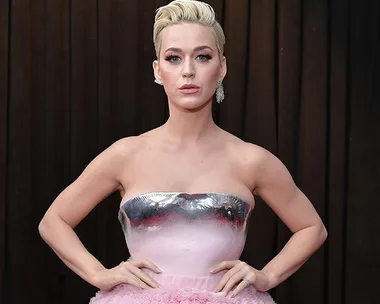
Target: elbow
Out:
[323,234]
[50,224]
[43,227]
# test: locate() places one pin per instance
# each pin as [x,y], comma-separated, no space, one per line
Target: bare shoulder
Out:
[125,147]
[247,153]
[266,170]
[123,151]
[253,162]
[111,162]
[260,162]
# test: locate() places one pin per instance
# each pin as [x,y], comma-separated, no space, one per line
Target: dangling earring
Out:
[158,81]
[219,92]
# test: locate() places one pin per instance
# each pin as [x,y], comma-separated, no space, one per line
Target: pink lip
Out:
[189,88]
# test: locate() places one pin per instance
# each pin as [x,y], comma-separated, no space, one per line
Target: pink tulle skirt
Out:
[179,289]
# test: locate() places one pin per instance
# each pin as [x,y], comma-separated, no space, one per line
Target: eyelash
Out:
[205,57]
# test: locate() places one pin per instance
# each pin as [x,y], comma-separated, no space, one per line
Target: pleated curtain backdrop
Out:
[303,81]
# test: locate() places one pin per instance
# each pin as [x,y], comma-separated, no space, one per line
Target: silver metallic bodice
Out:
[185,234]
[157,209]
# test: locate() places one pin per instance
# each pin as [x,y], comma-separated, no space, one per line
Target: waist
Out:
[175,281]
[189,252]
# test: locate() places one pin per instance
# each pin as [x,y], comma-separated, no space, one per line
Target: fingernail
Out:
[142,286]
[158,270]
[212,270]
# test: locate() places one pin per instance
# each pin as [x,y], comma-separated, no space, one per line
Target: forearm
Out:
[295,253]
[66,244]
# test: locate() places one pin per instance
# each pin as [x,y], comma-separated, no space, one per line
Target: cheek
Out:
[168,75]
[212,75]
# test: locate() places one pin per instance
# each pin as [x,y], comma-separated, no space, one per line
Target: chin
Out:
[191,104]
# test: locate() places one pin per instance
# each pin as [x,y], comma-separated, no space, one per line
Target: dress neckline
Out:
[183,193]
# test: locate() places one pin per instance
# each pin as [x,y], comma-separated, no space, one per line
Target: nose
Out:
[188,69]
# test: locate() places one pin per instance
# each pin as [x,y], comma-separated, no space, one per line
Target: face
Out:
[189,65]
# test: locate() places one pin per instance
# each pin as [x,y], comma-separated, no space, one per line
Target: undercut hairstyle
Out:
[187,11]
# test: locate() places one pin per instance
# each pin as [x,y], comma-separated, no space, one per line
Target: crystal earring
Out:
[158,81]
[219,92]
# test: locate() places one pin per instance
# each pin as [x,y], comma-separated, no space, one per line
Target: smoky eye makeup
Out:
[172,58]
[204,57]
[200,57]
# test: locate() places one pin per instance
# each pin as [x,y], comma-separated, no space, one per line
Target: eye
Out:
[173,59]
[204,57]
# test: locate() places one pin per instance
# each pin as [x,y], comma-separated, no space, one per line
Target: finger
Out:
[226,277]
[142,284]
[144,278]
[127,273]
[128,277]
[233,281]
[142,275]
[147,264]
[242,285]
[224,265]
[132,280]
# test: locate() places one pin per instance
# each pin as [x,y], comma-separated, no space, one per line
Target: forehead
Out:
[187,36]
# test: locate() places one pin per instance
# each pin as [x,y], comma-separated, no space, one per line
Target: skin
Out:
[188,145]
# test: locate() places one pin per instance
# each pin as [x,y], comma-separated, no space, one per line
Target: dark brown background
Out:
[303,82]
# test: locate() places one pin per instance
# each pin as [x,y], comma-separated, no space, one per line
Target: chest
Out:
[154,170]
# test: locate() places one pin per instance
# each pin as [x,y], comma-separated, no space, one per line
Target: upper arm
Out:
[276,187]
[99,179]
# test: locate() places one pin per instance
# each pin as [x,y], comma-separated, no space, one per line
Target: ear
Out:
[223,68]
[156,70]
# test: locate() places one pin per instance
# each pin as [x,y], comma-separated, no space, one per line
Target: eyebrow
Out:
[198,48]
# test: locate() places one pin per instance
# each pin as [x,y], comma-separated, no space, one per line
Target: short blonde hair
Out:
[187,11]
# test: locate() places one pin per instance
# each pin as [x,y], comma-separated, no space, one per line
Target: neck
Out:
[190,126]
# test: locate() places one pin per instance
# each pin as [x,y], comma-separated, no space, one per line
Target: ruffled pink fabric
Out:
[131,295]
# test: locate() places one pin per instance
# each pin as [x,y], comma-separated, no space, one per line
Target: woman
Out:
[187,189]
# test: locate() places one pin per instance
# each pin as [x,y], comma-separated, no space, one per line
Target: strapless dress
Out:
[184,235]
